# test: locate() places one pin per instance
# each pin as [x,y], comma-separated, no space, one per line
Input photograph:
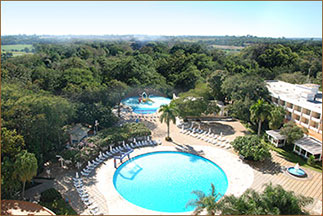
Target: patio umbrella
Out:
[77,175]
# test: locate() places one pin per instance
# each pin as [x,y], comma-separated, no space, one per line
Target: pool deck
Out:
[241,175]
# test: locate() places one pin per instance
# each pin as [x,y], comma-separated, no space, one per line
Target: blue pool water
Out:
[164,181]
[147,107]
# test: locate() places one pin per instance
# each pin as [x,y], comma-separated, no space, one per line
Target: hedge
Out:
[54,201]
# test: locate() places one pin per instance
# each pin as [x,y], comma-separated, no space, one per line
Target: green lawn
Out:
[288,154]
[19,47]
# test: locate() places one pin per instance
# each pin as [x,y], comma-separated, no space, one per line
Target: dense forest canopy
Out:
[80,80]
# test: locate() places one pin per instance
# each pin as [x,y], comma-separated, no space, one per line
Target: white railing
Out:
[297,112]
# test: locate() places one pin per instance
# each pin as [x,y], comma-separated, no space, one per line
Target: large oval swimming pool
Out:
[147,107]
[164,181]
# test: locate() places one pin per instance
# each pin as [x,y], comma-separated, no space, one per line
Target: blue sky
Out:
[263,19]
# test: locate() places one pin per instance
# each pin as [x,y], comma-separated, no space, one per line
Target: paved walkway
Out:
[31,193]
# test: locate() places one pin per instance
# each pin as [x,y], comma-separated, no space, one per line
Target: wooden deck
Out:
[270,172]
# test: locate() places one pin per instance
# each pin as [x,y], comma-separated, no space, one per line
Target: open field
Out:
[17,49]
[229,48]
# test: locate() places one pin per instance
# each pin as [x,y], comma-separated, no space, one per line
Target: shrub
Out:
[310,160]
[292,132]
[251,148]
[50,195]
[117,134]
[53,200]
[69,154]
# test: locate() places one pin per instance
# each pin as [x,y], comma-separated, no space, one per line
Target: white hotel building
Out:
[303,104]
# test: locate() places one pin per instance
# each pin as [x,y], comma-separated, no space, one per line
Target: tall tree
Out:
[259,111]
[169,113]
[276,118]
[11,142]
[292,132]
[117,91]
[25,168]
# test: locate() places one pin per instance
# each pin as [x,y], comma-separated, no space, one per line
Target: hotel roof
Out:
[310,145]
[292,93]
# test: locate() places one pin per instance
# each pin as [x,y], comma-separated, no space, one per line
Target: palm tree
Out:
[260,111]
[276,118]
[169,113]
[274,200]
[203,202]
[25,168]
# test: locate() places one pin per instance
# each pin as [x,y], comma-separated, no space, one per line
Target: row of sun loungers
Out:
[151,118]
[125,147]
[94,210]
[96,162]
[207,137]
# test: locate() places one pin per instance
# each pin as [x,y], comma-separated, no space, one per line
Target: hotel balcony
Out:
[289,109]
[315,119]
[313,128]
[306,116]
[297,112]
[304,124]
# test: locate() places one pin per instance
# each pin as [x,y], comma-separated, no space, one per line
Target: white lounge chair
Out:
[81,190]
[98,160]
[85,174]
[94,212]
[84,195]
[78,185]
[95,162]
[87,202]
[86,170]
[76,179]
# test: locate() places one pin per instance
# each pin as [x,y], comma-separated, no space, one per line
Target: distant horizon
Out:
[275,19]
[58,35]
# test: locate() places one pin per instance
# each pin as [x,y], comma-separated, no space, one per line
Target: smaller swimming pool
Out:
[148,107]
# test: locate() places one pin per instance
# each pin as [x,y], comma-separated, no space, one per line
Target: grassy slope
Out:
[288,154]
